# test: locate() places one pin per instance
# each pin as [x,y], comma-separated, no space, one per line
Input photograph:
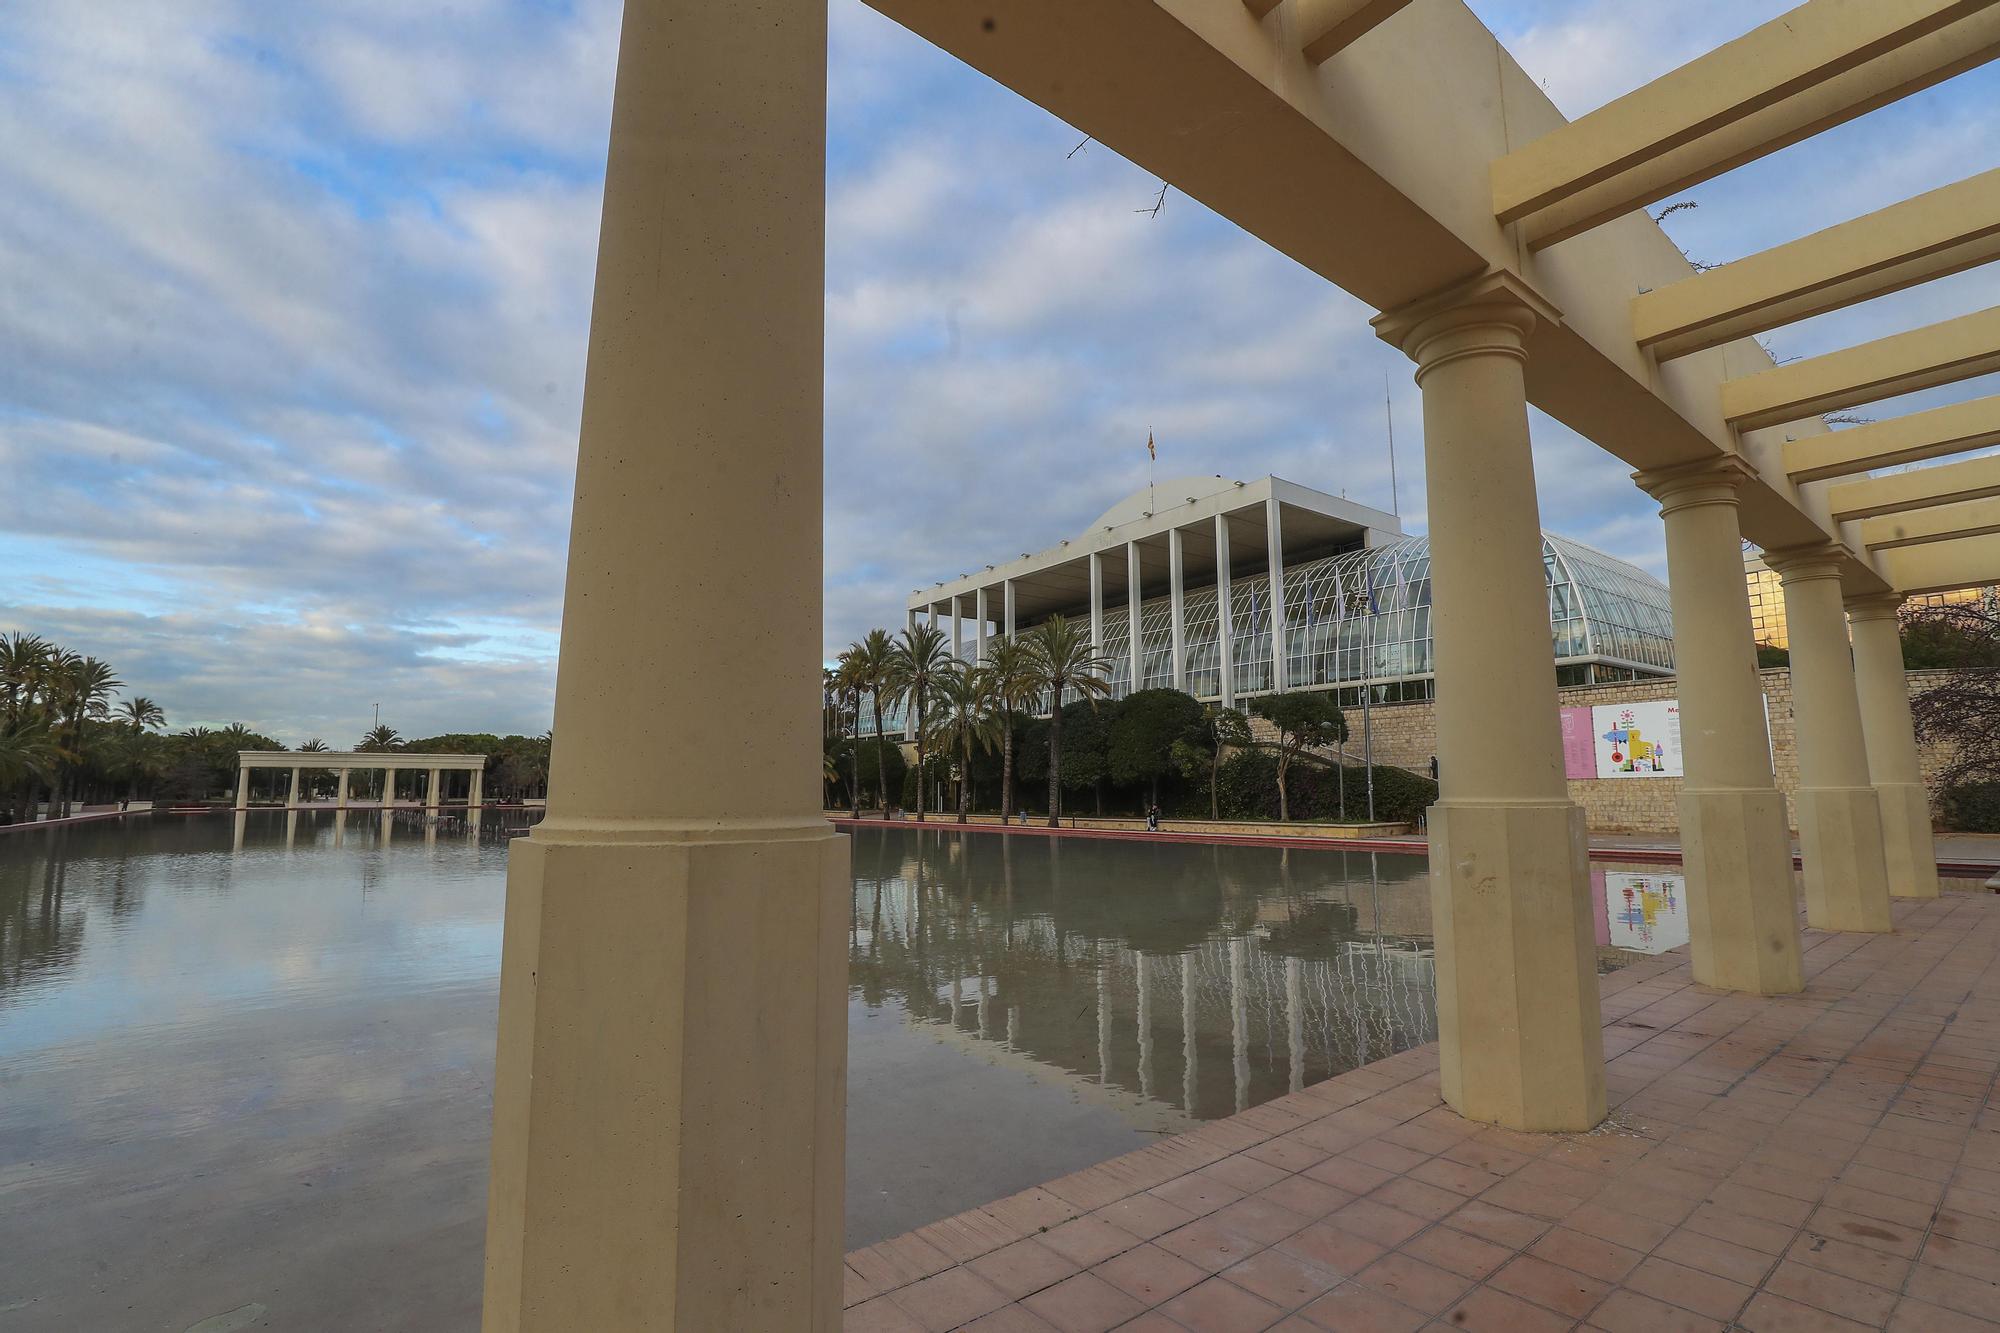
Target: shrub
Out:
[1970,807]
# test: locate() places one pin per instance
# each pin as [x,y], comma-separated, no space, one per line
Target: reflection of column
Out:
[1188,1046]
[340,792]
[1013,1027]
[388,786]
[236,835]
[1521,1040]
[431,791]
[682,1167]
[1274,543]
[1142,968]
[1839,814]
[1104,1021]
[1132,595]
[985,999]
[1177,609]
[339,827]
[293,799]
[1225,620]
[1909,849]
[1736,846]
[243,787]
[291,828]
[1295,1021]
[388,818]
[1239,1021]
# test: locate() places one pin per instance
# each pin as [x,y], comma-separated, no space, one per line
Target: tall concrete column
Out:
[431,791]
[1736,844]
[243,787]
[1096,602]
[957,633]
[1840,817]
[340,791]
[670,1085]
[1909,852]
[1519,1033]
[979,626]
[1225,627]
[293,799]
[476,793]
[1177,609]
[1274,549]
[1007,608]
[388,786]
[1133,593]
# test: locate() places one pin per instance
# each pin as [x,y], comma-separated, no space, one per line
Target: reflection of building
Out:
[1767,600]
[1350,605]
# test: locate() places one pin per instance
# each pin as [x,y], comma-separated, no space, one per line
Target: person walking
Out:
[1153,819]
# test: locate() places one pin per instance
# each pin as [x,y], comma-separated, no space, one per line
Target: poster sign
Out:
[1645,913]
[1579,754]
[1637,740]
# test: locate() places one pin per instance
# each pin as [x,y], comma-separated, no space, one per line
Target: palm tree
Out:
[1064,659]
[872,655]
[849,678]
[25,661]
[916,662]
[310,777]
[139,715]
[381,737]
[1011,669]
[25,755]
[83,688]
[966,714]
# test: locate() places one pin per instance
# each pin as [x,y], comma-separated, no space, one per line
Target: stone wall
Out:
[1405,735]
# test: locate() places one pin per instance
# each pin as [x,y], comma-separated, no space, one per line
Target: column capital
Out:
[1706,481]
[1492,314]
[1802,564]
[1875,606]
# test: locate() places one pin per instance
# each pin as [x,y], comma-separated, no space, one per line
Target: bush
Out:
[1970,807]
[1249,790]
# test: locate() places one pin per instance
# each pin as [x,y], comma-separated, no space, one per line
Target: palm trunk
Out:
[965,778]
[1007,765]
[854,759]
[1055,762]
[1215,784]
[1284,809]
[881,763]
[920,760]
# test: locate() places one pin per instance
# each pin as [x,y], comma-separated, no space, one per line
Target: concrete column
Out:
[476,793]
[431,801]
[1840,817]
[243,787]
[957,633]
[1177,609]
[1007,607]
[1519,1033]
[1909,851]
[1096,602]
[388,786]
[979,626]
[293,799]
[1224,617]
[1274,549]
[1736,844]
[1132,595]
[669,1091]
[340,791]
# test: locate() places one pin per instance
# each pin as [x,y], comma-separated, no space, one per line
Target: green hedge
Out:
[1249,790]
[1972,807]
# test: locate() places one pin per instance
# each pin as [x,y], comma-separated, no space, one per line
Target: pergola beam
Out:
[1658,160]
[1945,566]
[1328,27]
[1944,353]
[1972,518]
[1974,479]
[1934,235]
[1957,428]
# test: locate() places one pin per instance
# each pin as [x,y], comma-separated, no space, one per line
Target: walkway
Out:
[1829,1161]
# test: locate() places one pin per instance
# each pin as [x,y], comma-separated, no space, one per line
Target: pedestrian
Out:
[1434,768]
[1153,819]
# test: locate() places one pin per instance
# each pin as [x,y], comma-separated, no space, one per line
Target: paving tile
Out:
[1219,1306]
[1561,1289]
[949,1299]
[1350,1175]
[1010,1319]
[1486,1310]
[1333,1249]
[1457,1252]
[1502,1226]
[1629,1312]
[880,1315]
[1083,1304]
[1023,1267]
[1871,1232]
[1771,1313]
[1414,1283]
[1260,1219]
[1308,1198]
[1915,1316]
[1978,1296]
[1244,1173]
[1150,1274]
[1854,1261]
[1691,1289]
[1378,1222]
[1418,1199]
[1586,1254]
[1694,1250]
[1283,1279]
[1833,1293]
[1087,1240]
[1354,1308]
[1197,1195]
[1144,1216]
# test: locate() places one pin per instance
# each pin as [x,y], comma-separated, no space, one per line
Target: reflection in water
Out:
[1645,913]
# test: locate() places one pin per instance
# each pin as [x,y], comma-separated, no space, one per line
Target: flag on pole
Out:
[1151,452]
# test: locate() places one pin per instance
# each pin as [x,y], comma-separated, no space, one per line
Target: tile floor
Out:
[1828,1161]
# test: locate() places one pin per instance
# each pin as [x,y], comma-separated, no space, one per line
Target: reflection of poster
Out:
[1647,913]
[1637,740]
[1579,755]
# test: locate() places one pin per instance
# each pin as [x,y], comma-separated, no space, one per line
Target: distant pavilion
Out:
[343,762]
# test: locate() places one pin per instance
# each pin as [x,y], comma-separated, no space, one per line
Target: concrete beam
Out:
[1894,74]
[1949,483]
[1328,27]
[1972,518]
[1968,562]
[1932,236]
[1958,428]
[1944,353]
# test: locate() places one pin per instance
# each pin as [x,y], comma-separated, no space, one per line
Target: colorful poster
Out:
[1579,754]
[1637,740]
[1647,913]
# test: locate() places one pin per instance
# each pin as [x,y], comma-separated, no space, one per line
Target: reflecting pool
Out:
[245,1066]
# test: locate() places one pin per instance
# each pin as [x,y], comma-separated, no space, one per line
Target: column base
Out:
[1840,837]
[670,1092]
[1743,913]
[1520,1037]
[1908,849]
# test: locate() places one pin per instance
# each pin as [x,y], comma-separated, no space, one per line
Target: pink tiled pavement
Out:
[1827,1161]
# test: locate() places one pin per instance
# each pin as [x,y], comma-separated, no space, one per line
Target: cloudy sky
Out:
[293,300]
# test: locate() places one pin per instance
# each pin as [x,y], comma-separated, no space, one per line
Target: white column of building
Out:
[293,799]
[1225,629]
[431,791]
[340,791]
[1177,610]
[1274,541]
[957,632]
[388,786]
[1884,693]
[1007,607]
[1096,602]
[979,625]
[475,795]
[1132,596]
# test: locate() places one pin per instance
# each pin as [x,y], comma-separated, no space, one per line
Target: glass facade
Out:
[1361,619]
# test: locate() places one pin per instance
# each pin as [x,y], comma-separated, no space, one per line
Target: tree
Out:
[1011,668]
[1064,660]
[850,678]
[1085,763]
[82,690]
[1200,750]
[965,715]
[872,654]
[1306,720]
[1770,655]
[917,661]
[1961,711]
[1140,746]
[381,737]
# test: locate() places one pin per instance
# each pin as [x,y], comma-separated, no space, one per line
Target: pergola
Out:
[669,1091]
[345,762]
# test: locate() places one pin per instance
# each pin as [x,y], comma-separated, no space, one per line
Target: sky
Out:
[293,304]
